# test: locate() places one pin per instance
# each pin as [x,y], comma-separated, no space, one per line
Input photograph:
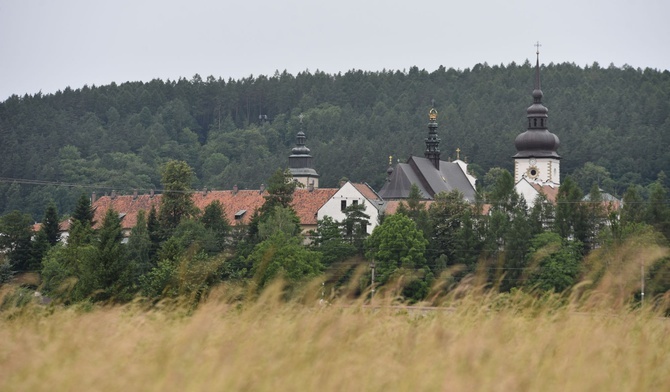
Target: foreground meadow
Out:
[481,343]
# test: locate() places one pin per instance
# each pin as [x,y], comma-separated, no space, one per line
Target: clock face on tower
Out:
[532,161]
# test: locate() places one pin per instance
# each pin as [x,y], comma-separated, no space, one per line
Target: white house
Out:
[353,194]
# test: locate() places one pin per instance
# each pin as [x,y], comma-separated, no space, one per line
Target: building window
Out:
[355,202]
[343,205]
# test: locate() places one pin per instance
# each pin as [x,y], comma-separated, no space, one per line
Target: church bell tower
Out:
[536,158]
[300,162]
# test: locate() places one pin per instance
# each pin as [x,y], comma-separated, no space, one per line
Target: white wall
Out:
[464,167]
[549,170]
[348,193]
[525,189]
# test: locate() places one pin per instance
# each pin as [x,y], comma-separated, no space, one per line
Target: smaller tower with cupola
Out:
[300,163]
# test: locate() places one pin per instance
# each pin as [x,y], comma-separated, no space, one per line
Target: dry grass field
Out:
[481,343]
[594,338]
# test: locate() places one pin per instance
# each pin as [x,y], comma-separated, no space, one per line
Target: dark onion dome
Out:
[300,148]
[537,141]
[537,144]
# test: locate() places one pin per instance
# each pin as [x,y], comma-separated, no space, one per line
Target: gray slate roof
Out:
[420,171]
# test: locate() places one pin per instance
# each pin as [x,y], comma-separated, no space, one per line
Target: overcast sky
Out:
[47,45]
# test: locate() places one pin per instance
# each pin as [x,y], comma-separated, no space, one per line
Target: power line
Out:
[26,181]
[36,182]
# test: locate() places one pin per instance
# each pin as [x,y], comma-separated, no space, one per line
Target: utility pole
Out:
[372,283]
[642,283]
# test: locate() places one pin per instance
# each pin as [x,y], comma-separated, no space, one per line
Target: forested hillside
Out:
[614,126]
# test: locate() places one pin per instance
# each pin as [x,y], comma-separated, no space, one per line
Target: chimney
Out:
[204,191]
[151,193]
[134,194]
[94,197]
[235,189]
[262,188]
[310,187]
[113,196]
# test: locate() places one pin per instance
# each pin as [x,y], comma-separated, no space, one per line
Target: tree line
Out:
[177,251]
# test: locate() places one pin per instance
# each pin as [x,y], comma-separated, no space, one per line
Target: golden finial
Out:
[390,160]
[432,115]
[458,153]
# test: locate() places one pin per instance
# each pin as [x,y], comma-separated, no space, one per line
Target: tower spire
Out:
[537,68]
[432,141]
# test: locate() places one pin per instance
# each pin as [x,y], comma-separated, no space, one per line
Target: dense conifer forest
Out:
[614,126]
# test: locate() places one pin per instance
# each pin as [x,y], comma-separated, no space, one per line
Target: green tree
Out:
[154,231]
[279,219]
[632,210]
[596,216]
[571,216]
[280,190]
[108,275]
[283,256]
[176,202]
[446,216]
[280,194]
[555,262]
[590,174]
[83,211]
[394,245]
[139,247]
[15,241]
[657,213]
[541,215]
[214,219]
[517,241]
[355,225]
[51,224]
[328,240]
[492,178]
[67,270]
[416,210]
[190,236]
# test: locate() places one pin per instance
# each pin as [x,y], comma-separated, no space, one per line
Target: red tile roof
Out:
[366,191]
[551,192]
[392,205]
[306,204]
[232,202]
[128,205]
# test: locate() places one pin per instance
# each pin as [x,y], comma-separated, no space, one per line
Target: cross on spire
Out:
[301,116]
[537,46]
[432,102]
[458,153]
